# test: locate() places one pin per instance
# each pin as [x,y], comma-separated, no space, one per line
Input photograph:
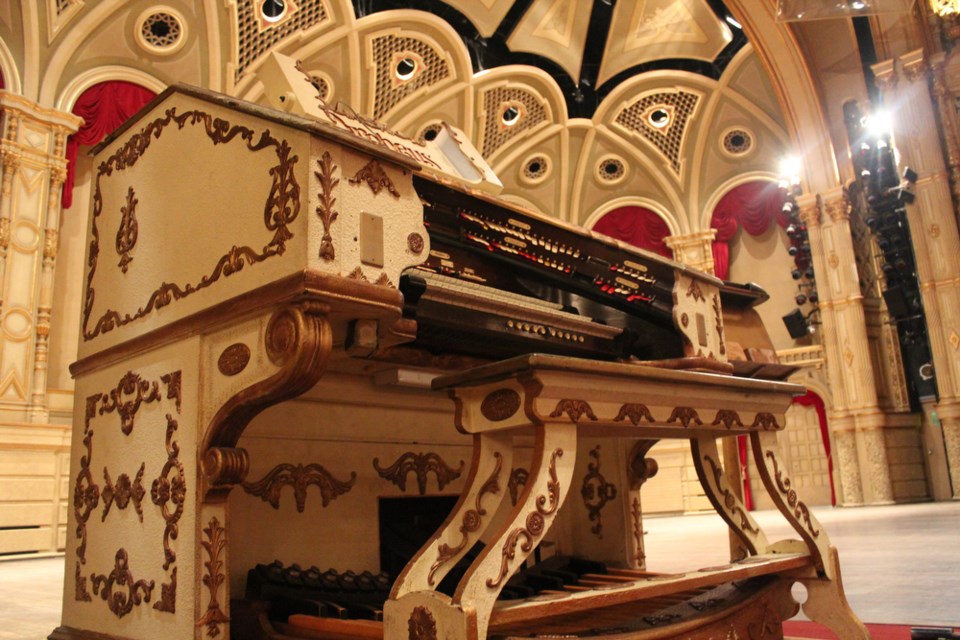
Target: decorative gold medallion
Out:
[500,405]
[234,359]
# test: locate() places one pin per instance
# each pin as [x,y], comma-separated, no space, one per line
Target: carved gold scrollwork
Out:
[634,412]
[718,318]
[765,421]
[728,418]
[694,291]
[518,478]
[167,490]
[376,178]
[299,477]
[214,577]
[730,501]
[422,464]
[596,492]
[131,392]
[123,492]
[684,416]
[128,231]
[120,603]
[637,530]
[472,519]
[800,509]
[325,209]
[575,409]
[535,523]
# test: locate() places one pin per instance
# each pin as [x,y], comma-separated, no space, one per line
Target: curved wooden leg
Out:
[827,604]
[706,459]
[485,490]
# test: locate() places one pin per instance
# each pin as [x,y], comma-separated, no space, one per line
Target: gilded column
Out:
[33,147]
[934,233]
[856,412]
[694,249]
[948,119]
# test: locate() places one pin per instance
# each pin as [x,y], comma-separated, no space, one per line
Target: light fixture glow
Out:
[790,168]
[945,7]
[733,22]
[878,124]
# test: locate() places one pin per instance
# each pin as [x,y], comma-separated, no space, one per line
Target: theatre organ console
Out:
[270,294]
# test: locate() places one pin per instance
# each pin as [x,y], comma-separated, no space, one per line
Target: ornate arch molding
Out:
[11,74]
[711,203]
[75,88]
[634,201]
[792,80]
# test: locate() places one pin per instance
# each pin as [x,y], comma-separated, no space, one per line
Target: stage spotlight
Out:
[910,175]
[906,197]
[800,298]
[796,324]
[796,274]
[813,298]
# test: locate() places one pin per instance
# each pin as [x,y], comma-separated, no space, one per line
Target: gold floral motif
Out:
[299,477]
[422,464]
[376,178]
[325,209]
[214,545]
[634,411]
[833,260]
[684,416]
[500,405]
[120,603]
[166,490]
[123,492]
[518,478]
[575,409]
[421,625]
[534,525]
[128,231]
[728,418]
[472,519]
[596,492]
[694,291]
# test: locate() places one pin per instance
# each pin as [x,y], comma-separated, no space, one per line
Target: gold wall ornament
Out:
[934,230]
[499,405]
[694,291]
[954,340]
[718,323]
[281,208]
[765,421]
[120,603]
[421,625]
[421,464]
[234,359]
[123,492]
[86,497]
[472,519]
[80,593]
[415,243]
[357,274]
[128,231]
[518,478]
[214,545]
[375,177]
[168,595]
[810,214]
[596,492]
[635,512]
[634,412]
[535,523]
[325,209]
[833,260]
[944,8]
[837,209]
[51,243]
[299,477]
[575,409]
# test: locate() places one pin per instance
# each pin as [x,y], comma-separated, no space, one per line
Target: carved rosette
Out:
[534,526]
[500,405]
[472,519]
[120,603]
[214,577]
[596,492]
[280,209]
[299,477]
[376,178]
[421,464]
[575,409]
[123,492]
[233,359]
[325,210]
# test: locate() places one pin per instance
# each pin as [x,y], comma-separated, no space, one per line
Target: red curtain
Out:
[815,401]
[103,107]
[752,205]
[638,226]
[2,85]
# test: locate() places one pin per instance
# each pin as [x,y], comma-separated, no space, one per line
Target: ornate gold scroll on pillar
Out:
[694,249]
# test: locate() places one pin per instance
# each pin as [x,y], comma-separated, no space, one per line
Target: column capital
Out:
[836,206]
[915,65]
[810,213]
[885,75]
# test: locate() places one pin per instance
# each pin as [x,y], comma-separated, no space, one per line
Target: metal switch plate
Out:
[371,239]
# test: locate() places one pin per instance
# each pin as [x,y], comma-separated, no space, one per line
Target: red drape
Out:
[638,226]
[752,205]
[815,401]
[2,85]
[103,107]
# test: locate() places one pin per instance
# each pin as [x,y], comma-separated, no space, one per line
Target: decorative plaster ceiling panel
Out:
[650,30]
[486,15]
[554,29]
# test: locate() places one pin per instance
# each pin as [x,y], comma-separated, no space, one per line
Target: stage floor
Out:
[901,564]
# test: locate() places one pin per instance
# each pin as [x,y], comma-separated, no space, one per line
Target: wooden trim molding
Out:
[72,633]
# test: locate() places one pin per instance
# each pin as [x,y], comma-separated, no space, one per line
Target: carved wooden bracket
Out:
[422,464]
